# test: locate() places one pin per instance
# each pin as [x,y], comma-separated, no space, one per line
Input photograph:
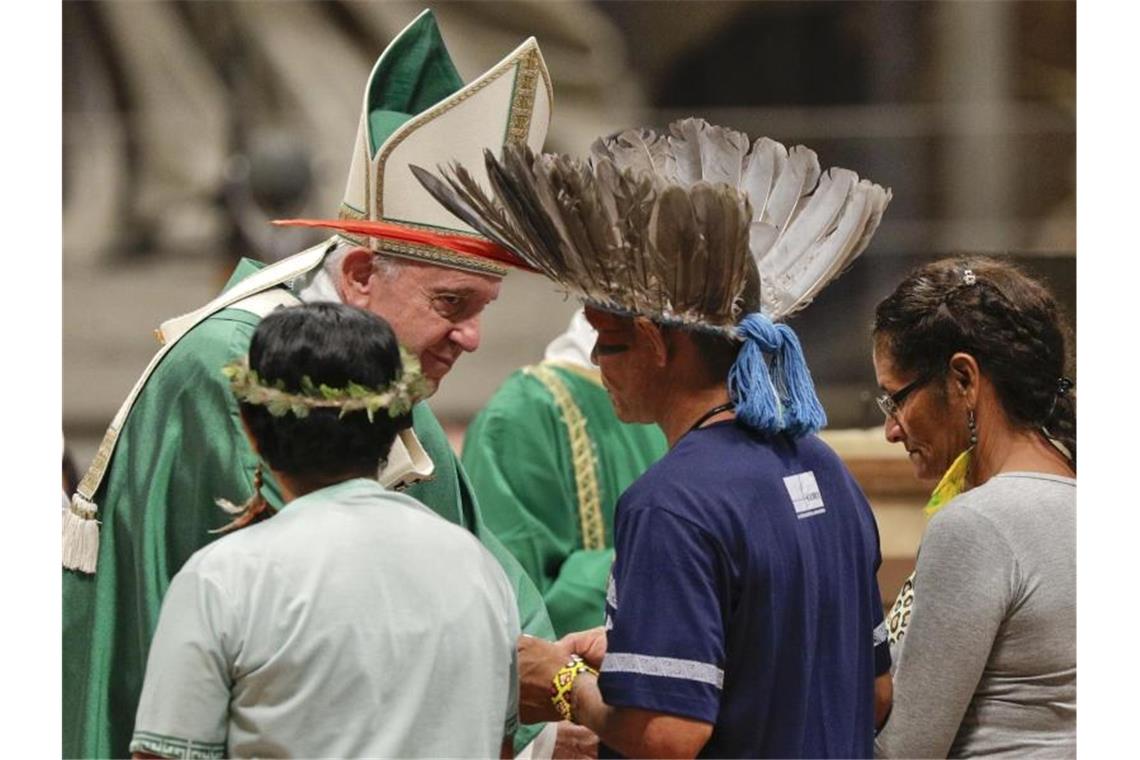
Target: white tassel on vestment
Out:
[80,536]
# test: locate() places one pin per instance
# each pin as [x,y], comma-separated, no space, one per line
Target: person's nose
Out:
[892,430]
[466,334]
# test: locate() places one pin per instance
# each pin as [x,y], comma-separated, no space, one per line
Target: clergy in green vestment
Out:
[549,459]
[176,446]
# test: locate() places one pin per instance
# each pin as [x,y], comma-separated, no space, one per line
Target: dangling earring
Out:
[255,508]
[972,423]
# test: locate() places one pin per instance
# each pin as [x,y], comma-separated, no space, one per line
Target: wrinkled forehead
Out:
[442,278]
[608,324]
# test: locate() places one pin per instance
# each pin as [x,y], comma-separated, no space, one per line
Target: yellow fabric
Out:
[953,483]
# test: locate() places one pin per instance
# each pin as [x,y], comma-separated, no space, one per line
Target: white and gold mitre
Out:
[418,111]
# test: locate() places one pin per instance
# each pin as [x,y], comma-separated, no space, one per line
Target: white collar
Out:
[316,285]
[574,345]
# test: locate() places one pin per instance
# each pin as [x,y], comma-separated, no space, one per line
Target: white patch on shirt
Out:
[804,493]
[879,635]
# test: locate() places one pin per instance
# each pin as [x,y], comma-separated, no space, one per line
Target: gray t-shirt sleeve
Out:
[184,706]
[963,583]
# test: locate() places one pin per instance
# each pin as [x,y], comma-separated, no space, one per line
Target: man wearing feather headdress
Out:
[549,459]
[147,502]
[743,616]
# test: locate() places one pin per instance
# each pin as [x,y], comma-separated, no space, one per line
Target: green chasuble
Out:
[549,459]
[182,447]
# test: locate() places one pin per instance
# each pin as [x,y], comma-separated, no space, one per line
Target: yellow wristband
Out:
[564,683]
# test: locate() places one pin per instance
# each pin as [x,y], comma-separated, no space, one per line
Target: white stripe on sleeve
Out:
[668,667]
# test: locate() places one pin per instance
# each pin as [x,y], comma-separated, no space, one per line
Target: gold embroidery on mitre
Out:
[581,456]
[434,112]
[522,99]
[420,251]
[348,212]
[367,161]
[440,256]
[436,228]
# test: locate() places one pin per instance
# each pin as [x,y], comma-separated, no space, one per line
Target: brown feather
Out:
[663,224]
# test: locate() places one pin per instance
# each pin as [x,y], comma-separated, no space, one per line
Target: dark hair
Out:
[1004,318]
[719,350]
[333,344]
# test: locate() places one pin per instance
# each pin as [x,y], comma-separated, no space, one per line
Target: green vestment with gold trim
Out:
[549,459]
[181,447]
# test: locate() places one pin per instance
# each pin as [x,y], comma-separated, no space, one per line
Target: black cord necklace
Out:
[709,414]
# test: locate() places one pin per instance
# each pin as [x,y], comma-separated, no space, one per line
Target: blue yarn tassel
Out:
[749,381]
[775,394]
[803,414]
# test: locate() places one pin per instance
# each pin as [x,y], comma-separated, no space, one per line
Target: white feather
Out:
[807,226]
[879,200]
[761,167]
[685,143]
[640,149]
[722,154]
[827,256]
[761,236]
[813,219]
[796,179]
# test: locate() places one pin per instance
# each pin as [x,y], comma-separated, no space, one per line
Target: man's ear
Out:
[646,330]
[356,270]
[964,374]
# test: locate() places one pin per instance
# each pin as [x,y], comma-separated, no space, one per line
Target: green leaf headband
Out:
[397,397]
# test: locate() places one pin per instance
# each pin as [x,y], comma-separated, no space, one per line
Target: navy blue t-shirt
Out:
[743,594]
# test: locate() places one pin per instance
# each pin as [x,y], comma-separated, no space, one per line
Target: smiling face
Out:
[930,422]
[433,310]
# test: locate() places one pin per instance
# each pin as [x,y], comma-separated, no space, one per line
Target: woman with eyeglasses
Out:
[970,354]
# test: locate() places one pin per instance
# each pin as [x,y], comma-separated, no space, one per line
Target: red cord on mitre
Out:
[464,245]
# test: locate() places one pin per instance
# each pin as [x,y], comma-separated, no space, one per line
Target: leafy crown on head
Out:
[398,397]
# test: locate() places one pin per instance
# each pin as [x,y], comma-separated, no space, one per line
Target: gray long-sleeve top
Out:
[988,663]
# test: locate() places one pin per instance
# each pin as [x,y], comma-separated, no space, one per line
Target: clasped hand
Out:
[540,660]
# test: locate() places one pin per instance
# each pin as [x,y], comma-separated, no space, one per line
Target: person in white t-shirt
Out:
[354,622]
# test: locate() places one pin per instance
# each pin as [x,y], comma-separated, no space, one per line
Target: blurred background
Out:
[188,125]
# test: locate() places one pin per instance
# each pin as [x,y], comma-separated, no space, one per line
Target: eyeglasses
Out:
[891,403]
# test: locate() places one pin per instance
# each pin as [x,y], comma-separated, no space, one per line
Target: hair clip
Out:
[1064,384]
[968,277]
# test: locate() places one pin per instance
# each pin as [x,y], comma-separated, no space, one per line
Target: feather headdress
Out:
[665,224]
[621,239]
[674,227]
